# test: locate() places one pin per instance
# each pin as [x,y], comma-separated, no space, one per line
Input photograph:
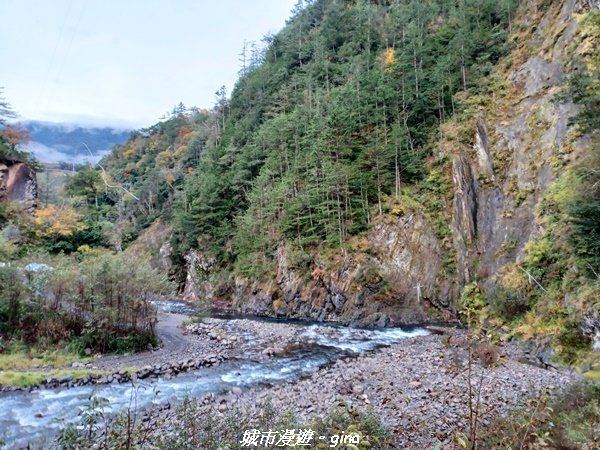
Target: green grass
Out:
[592,375]
[29,379]
[590,367]
[20,357]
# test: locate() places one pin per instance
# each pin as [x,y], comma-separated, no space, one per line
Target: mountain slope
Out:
[398,163]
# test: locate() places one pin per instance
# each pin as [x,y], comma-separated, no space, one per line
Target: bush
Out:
[12,293]
[132,342]
[105,340]
[471,305]
[299,259]
[197,427]
[7,250]
[110,294]
[572,342]
[101,302]
[508,303]
[568,421]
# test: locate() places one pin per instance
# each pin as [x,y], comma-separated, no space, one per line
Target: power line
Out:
[60,34]
[75,26]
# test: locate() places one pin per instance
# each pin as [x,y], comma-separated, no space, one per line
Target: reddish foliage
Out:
[15,135]
[183,132]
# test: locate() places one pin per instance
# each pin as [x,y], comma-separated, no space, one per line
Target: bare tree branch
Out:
[104,175]
[531,277]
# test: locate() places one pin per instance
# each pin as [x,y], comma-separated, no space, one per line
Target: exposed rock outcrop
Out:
[398,284]
[482,147]
[18,183]
[465,213]
[408,253]
[199,285]
[494,213]
[153,245]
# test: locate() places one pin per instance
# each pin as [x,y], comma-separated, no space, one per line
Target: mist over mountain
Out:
[55,142]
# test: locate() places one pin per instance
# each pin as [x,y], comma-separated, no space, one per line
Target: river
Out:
[31,416]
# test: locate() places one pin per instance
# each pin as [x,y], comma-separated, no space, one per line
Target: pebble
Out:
[426,414]
[411,385]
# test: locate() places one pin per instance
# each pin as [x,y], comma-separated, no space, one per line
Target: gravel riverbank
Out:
[418,387]
[415,381]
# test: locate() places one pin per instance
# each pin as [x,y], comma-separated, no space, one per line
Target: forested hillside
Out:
[341,113]
[424,175]
[323,131]
[389,162]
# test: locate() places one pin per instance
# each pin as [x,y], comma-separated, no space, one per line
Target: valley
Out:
[393,372]
[387,232]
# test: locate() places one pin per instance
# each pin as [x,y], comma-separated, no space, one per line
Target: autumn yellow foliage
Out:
[55,219]
[389,57]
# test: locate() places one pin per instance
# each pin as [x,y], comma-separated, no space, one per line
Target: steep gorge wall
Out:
[521,146]
[521,142]
[395,283]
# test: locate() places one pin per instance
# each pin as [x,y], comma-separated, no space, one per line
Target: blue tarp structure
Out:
[37,268]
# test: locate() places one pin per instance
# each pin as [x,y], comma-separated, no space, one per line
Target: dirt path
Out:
[174,345]
[169,331]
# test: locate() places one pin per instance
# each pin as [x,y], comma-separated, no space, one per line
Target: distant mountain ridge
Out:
[57,142]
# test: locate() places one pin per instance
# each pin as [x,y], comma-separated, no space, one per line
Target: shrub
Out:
[101,302]
[111,294]
[572,342]
[569,421]
[471,305]
[508,303]
[7,250]
[12,293]
[198,427]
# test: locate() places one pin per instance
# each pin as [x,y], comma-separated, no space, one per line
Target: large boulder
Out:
[18,183]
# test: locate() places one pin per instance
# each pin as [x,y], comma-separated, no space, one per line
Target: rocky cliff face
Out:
[18,183]
[520,147]
[521,142]
[199,284]
[398,283]
[153,245]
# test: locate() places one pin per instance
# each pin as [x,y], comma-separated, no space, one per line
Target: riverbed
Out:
[256,352]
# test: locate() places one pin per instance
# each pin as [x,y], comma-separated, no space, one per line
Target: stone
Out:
[278,351]
[358,388]
[65,379]
[536,74]
[18,183]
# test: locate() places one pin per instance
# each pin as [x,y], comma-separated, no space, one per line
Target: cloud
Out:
[70,61]
[47,154]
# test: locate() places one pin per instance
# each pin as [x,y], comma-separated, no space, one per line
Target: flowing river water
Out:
[31,416]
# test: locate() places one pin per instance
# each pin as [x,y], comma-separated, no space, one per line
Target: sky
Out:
[125,62]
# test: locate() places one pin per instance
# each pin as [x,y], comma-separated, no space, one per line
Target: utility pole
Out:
[418,288]
[47,185]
